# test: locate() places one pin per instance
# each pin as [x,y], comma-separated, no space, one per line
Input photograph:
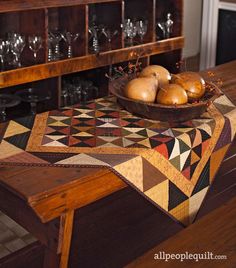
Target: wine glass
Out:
[4,48]
[94,32]
[109,34]
[69,38]
[17,44]
[141,29]
[162,27]
[35,44]
[55,38]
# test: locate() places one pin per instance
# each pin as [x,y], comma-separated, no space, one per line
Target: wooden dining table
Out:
[43,200]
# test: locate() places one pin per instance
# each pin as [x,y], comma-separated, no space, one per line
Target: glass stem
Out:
[2,63]
[3,115]
[69,54]
[17,61]
[33,107]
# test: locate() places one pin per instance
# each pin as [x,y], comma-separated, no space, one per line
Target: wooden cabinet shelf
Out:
[53,69]
[76,17]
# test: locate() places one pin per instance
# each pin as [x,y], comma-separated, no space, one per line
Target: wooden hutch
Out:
[39,17]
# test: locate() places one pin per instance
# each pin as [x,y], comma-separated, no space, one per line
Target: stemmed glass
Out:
[141,29]
[54,40]
[4,48]
[162,26]
[69,38]
[17,44]
[109,34]
[35,44]
[94,32]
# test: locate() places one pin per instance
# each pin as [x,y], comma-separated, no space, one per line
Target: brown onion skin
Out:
[172,94]
[161,73]
[193,83]
[142,89]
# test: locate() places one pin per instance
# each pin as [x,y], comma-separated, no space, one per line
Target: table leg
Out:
[65,233]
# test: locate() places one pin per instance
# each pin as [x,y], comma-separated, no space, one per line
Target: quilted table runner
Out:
[173,166]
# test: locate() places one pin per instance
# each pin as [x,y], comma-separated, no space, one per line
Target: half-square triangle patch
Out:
[176,196]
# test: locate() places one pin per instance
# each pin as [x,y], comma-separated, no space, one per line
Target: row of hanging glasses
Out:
[133,28]
[12,47]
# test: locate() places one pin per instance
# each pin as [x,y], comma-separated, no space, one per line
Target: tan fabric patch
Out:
[83,159]
[216,159]
[181,212]
[14,129]
[159,194]
[8,150]
[195,202]
[132,170]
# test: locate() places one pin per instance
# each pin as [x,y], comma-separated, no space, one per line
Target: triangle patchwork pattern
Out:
[195,202]
[14,129]
[20,140]
[147,154]
[204,179]
[151,177]
[176,196]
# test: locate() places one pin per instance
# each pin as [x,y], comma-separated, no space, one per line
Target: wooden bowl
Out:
[169,113]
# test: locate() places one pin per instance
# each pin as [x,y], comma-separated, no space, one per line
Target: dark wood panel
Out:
[29,256]
[17,5]
[112,232]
